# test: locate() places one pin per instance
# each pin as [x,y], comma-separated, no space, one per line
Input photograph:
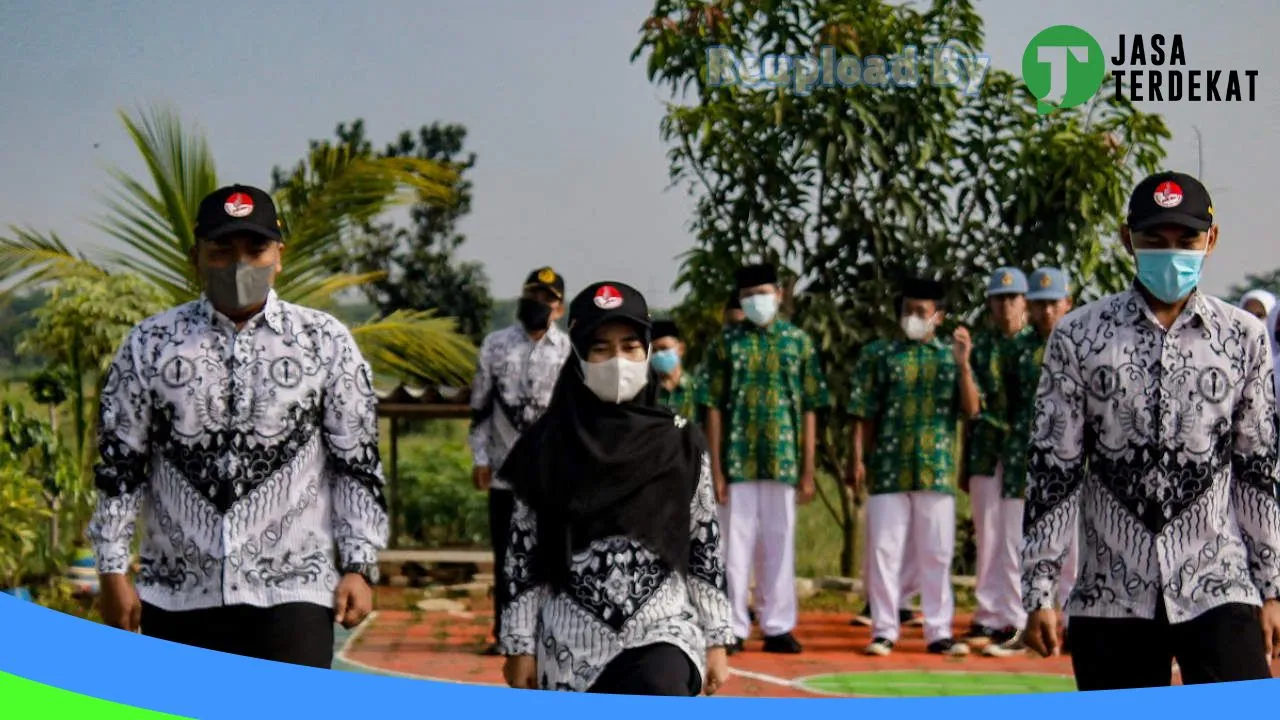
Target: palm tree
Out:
[331,193]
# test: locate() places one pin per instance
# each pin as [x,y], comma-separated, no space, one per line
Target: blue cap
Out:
[1048,284]
[1007,281]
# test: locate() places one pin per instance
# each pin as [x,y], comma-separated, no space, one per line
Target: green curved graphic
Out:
[922,683]
[28,698]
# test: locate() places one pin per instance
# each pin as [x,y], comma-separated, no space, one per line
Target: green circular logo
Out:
[1063,66]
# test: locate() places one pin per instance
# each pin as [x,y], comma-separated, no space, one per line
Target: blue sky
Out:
[571,170]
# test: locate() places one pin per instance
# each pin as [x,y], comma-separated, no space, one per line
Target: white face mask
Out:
[616,380]
[760,309]
[917,328]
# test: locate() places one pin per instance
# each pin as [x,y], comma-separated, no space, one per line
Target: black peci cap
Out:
[546,279]
[1170,198]
[237,208]
[756,275]
[919,288]
[606,301]
[665,328]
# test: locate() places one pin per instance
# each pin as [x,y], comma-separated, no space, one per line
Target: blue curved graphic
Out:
[82,657]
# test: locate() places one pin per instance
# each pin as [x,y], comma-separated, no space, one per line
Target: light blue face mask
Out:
[665,361]
[760,309]
[1170,275]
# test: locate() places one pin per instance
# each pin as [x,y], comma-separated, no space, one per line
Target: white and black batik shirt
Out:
[1164,446]
[248,456]
[620,596]
[512,388]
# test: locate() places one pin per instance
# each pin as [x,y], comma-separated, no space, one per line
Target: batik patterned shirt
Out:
[512,388]
[1162,445]
[985,439]
[248,455]
[621,595]
[1022,376]
[682,399]
[763,381]
[911,392]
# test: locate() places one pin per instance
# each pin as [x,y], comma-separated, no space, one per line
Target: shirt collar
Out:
[272,314]
[1197,306]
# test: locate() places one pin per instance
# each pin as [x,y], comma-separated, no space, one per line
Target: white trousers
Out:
[921,525]
[910,584]
[761,536]
[997,526]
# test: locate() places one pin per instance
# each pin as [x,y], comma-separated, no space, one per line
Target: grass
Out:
[923,683]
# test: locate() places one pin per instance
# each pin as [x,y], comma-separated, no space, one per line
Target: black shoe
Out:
[948,647]
[735,647]
[751,615]
[1000,637]
[863,619]
[981,636]
[906,616]
[492,650]
[784,644]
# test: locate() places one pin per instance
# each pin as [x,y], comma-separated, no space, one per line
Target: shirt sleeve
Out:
[706,581]
[1055,471]
[359,511]
[864,394]
[525,586]
[124,444]
[1254,470]
[481,407]
[714,390]
[816,395]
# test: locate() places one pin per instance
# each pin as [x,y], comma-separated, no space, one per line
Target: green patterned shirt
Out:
[1022,378]
[763,381]
[985,439]
[682,399]
[911,391]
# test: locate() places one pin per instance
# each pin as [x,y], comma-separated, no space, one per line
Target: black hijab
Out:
[591,469]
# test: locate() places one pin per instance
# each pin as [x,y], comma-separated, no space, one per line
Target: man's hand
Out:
[353,600]
[118,602]
[521,672]
[856,478]
[807,488]
[722,487]
[1271,628]
[962,345]
[717,670]
[1043,634]
[481,476]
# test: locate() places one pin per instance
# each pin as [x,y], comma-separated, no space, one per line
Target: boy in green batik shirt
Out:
[909,397]
[1047,302]
[764,382]
[678,387]
[999,610]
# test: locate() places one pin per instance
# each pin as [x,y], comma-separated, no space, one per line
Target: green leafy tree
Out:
[334,193]
[856,186]
[419,264]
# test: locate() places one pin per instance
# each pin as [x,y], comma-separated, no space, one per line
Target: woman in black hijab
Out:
[614,567]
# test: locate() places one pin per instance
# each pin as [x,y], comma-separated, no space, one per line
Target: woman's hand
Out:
[521,672]
[717,670]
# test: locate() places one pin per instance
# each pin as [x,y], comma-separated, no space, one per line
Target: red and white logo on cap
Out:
[238,205]
[1168,194]
[608,298]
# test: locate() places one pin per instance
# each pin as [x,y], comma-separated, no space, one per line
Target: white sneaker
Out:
[879,647]
[1014,646]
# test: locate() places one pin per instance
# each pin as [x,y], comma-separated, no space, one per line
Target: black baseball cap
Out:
[1170,198]
[237,208]
[606,301]
[546,279]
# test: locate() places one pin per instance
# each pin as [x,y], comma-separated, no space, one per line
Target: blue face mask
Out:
[665,361]
[760,309]
[1170,275]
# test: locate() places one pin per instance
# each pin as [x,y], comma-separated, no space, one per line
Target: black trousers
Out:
[501,504]
[1222,645]
[295,633]
[658,669]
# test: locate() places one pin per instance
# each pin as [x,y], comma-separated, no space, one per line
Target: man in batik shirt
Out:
[999,612]
[678,386]
[764,383]
[909,397]
[1047,302]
